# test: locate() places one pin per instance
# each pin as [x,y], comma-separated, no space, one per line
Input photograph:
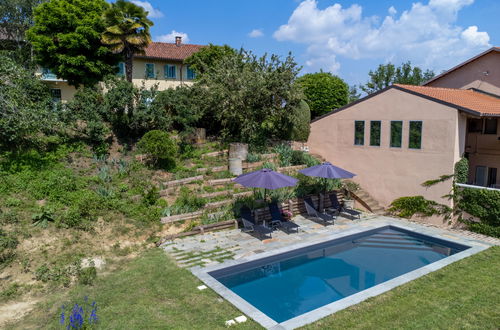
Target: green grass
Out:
[149,292]
[464,295]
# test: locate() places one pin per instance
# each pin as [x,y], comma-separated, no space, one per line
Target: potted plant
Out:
[350,188]
[287,215]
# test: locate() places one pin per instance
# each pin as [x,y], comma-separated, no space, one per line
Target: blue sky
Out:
[345,37]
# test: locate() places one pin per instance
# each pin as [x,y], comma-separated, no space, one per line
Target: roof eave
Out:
[455,106]
[461,64]
[452,105]
[159,58]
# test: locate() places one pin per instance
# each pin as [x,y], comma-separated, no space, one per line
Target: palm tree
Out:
[127,31]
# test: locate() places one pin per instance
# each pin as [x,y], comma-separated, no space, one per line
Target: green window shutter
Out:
[170,71]
[150,70]
[190,74]
[121,69]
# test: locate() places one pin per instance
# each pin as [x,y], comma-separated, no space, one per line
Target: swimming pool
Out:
[296,287]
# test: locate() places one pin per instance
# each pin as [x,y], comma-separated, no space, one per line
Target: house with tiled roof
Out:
[162,64]
[399,137]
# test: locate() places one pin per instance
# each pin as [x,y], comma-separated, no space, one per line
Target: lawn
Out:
[152,292]
[149,292]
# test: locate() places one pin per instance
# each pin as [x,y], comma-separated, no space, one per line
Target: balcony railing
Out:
[494,188]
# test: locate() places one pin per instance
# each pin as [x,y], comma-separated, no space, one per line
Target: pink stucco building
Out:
[402,136]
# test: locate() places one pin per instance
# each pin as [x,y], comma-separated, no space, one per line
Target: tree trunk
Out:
[129,58]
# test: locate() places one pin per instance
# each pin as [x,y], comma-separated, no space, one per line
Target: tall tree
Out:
[388,74]
[323,92]
[208,57]
[127,31]
[248,98]
[16,17]
[66,38]
[26,114]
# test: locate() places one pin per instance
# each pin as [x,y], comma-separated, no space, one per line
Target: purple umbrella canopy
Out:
[265,178]
[327,171]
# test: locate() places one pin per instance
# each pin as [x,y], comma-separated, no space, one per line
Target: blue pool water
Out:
[297,282]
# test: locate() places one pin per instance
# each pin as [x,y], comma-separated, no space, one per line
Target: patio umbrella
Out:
[327,171]
[267,179]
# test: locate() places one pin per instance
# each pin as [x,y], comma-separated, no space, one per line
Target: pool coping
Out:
[321,312]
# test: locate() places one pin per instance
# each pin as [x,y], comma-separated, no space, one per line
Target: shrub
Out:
[303,158]
[253,157]
[8,217]
[310,185]
[26,112]
[151,196]
[285,154]
[269,165]
[132,111]
[8,244]
[62,274]
[406,207]
[189,201]
[300,119]
[159,147]
[87,275]
[462,170]
[83,211]
[481,203]
[483,228]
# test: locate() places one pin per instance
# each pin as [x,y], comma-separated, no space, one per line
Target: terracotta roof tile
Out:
[170,51]
[463,99]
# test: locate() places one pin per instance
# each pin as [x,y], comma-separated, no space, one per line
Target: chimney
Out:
[178,40]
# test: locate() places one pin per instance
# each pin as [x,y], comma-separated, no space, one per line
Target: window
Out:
[150,70]
[474,125]
[375,133]
[492,177]
[190,74]
[396,134]
[359,132]
[121,69]
[481,173]
[170,71]
[55,93]
[490,126]
[415,141]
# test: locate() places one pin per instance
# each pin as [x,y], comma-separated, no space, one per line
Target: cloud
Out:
[171,37]
[473,37]
[426,34]
[255,33]
[392,11]
[152,12]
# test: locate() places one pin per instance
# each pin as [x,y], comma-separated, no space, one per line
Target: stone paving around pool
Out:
[216,247]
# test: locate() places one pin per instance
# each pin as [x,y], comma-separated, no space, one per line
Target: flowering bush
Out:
[78,317]
[287,214]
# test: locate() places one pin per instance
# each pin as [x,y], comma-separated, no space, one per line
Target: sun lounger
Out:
[339,208]
[249,224]
[278,221]
[312,212]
